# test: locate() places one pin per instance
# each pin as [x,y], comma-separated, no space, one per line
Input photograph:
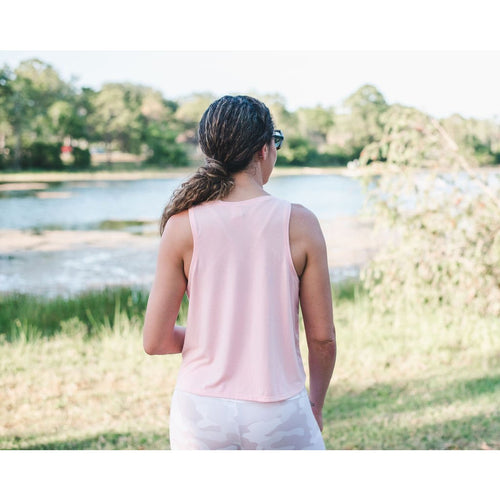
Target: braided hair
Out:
[231,131]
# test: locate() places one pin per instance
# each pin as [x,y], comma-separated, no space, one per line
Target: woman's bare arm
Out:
[160,334]
[316,304]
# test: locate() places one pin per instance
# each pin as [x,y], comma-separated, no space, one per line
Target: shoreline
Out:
[69,261]
[33,177]
[351,240]
[9,180]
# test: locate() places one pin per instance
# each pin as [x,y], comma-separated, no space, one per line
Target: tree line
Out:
[47,122]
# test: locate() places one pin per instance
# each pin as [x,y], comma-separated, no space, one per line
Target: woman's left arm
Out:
[160,333]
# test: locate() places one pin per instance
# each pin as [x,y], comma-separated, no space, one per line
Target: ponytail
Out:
[210,182]
[231,131]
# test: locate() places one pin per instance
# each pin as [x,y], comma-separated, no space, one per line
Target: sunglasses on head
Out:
[278,138]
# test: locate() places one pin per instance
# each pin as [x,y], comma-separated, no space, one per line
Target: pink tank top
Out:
[242,333]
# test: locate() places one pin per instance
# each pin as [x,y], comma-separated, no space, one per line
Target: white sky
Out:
[442,57]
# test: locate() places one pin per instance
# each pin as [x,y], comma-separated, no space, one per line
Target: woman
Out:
[246,260]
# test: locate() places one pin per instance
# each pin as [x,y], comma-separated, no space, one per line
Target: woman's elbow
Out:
[149,348]
[154,347]
[150,343]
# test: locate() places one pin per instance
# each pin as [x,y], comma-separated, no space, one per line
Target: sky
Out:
[437,82]
[442,57]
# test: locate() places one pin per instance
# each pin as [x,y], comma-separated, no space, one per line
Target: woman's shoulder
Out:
[302,215]
[304,223]
[178,229]
[178,220]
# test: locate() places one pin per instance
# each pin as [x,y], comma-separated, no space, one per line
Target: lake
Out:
[91,204]
[134,207]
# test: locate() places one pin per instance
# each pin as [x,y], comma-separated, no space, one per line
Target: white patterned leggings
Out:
[208,423]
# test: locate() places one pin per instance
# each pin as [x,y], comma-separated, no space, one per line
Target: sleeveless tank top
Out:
[242,332]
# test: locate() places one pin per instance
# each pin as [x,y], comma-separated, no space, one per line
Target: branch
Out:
[454,147]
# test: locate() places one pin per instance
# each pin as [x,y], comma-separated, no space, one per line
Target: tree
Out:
[189,112]
[116,116]
[298,151]
[362,122]
[283,118]
[161,140]
[409,139]
[315,123]
[154,108]
[444,216]
[65,120]
[478,139]
[27,93]
[161,130]
[367,101]
[5,126]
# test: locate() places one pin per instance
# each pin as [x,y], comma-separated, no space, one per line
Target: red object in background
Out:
[66,149]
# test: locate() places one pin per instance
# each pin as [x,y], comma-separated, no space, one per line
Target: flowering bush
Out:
[444,217]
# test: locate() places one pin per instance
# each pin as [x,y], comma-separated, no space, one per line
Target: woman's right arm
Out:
[316,304]
[160,333]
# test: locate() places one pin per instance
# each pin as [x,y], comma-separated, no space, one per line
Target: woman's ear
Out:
[263,152]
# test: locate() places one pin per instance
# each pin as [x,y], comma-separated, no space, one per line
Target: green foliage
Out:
[91,310]
[81,157]
[116,116]
[36,105]
[66,119]
[366,101]
[161,140]
[282,117]
[25,316]
[410,139]
[444,220]
[315,123]
[43,156]
[299,151]
[362,124]
[192,107]
[336,155]
[35,102]
[296,150]
[475,138]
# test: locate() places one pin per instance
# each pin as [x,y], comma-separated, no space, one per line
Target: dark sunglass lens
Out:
[278,138]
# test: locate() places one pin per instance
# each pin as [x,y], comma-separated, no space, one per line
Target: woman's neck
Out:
[247,184]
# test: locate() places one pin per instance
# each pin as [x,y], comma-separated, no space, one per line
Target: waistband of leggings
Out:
[302,393]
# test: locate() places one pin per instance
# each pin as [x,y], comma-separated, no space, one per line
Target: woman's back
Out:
[247,260]
[242,336]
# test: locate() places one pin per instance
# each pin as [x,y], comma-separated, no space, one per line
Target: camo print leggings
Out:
[207,423]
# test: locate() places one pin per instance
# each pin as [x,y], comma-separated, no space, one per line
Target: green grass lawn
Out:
[73,375]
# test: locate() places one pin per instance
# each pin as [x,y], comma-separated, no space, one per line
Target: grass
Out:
[30,317]
[73,375]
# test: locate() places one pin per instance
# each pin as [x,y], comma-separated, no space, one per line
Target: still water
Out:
[86,205]
[132,206]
